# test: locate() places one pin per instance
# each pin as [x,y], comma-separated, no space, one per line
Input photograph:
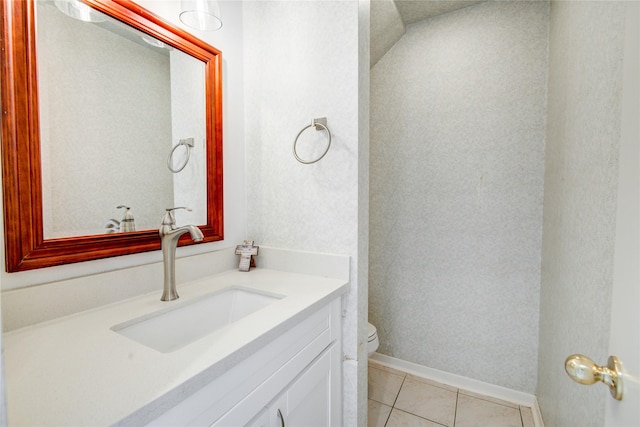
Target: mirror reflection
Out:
[122,123]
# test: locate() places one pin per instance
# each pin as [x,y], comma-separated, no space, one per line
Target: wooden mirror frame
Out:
[25,246]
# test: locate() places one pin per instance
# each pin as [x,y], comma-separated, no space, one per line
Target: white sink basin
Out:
[170,329]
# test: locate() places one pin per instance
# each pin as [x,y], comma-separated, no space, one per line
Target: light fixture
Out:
[78,10]
[201,14]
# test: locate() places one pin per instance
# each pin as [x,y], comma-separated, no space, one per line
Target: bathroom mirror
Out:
[100,114]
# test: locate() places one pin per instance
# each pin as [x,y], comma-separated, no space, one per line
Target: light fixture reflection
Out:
[201,14]
[78,10]
[154,42]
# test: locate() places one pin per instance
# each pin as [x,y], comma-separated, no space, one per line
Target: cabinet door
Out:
[308,399]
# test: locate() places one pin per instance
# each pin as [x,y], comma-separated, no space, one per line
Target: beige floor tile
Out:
[377,414]
[490,399]
[404,419]
[384,386]
[427,401]
[527,417]
[474,412]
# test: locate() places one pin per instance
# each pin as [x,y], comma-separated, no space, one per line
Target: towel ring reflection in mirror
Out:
[319,124]
[188,143]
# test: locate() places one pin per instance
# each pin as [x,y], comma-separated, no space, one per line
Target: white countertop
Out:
[76,371]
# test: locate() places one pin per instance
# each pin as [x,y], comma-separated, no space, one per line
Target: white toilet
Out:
[372,340]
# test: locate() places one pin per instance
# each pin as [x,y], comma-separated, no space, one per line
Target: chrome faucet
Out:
[169,235]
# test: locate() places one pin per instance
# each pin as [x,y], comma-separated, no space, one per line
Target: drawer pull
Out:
[281,418]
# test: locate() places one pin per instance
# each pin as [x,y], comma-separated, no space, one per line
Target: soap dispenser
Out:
[127,223]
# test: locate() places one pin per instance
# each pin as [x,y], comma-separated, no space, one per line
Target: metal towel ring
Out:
[318,124]
[188,143]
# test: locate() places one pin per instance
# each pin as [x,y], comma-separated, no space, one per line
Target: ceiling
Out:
[389,19]
[416,10]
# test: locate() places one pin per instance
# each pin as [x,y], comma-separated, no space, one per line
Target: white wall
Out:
[301,63]
[457,162]
[585,87]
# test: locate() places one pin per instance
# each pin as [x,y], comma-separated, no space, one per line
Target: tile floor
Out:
[398,399]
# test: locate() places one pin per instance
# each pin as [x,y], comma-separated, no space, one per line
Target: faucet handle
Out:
[169,218]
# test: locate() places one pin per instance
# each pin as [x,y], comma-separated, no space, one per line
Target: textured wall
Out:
[586,41]
[457,157]
[302,62]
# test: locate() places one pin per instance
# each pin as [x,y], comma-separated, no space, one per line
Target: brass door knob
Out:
[583,370]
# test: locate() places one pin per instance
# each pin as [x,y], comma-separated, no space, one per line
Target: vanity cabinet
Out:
[294,380]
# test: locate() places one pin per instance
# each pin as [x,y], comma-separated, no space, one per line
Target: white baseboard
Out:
[465,383]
